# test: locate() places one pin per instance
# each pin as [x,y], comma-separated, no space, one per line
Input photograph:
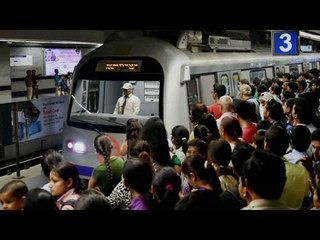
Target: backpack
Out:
[70,202]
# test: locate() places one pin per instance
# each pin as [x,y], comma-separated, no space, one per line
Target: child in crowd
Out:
[13,194]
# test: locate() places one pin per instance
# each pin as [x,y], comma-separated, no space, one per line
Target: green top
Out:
[101,174]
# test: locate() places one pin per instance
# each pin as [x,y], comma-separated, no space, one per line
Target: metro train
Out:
[168,78]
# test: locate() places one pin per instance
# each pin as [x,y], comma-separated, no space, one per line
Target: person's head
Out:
[166,186]
[50,158]
[208,120]
[29,72]
[197,147]
[141,149]
[244,91]
[180,137]
[155,133]
[219,90]
[63,177]
[258,139]
[91,199]
[103,147]
[197,174]
[230,128]
[300,138]
[274,111]
[244,109]
[38,199]
[302,111]
[226,104]
[137,175]
[56,71]
[219,152]
[241,153]
[13,194]
[263,176]
[276,140]
[315,144]
[196,112]
[127,89]
[33,72]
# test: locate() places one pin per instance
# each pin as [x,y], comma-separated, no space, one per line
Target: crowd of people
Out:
[257,151]
[60,81]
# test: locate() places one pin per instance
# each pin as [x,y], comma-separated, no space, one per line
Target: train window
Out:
[235,79]
[314,65]
[192,93]
[224,79]
[94,101]
[293,69]
[259,73]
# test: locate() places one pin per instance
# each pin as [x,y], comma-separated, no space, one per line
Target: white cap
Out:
[127,86]
[266,96]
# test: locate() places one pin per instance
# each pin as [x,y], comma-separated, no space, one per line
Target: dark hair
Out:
[208,120]
[219,89]
[17,187]
[300,138]
[154,132]
[67,170]
[201,145]
[231,127]
[38,199]
[167,184]
[103,146]
[181,134]
[258,138]
[241,153]
[277,140]
[137,174]
[196,112]
[196,164]
[220,152]
[265,174]
[133,130]
[49,159]
[91,199]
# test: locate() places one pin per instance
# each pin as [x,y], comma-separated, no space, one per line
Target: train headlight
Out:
[77,147]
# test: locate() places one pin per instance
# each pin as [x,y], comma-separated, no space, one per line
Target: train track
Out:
[26,162]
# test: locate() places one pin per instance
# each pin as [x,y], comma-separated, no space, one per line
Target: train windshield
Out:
[112,102]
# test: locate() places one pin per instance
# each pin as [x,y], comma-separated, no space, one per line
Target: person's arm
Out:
[116,109]
[136,106]
[92,182]
[124,147]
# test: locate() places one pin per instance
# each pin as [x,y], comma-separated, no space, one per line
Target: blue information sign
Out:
[285,43]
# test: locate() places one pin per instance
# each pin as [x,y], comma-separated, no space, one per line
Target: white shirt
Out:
[132,106]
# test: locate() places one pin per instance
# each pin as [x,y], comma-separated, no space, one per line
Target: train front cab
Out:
[96,89]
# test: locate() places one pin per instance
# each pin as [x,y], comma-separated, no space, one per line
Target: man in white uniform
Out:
[128,104]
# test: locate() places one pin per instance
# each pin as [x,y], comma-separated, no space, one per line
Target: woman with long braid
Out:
[108,173]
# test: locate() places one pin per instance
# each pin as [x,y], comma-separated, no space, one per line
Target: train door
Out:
[206,82]
[192,93]
[224,78]
[269,72]
[235,77]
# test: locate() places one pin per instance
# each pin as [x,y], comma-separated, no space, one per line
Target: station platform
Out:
[24,98]
[32,176]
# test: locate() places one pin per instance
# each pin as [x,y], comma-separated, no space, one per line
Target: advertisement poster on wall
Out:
[41,117]
[63,59]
